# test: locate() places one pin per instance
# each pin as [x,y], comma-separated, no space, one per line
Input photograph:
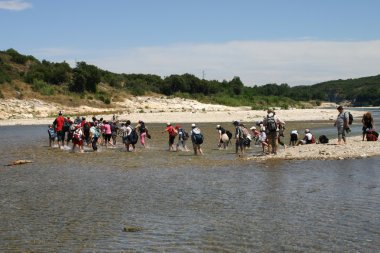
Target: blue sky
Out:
[272,41]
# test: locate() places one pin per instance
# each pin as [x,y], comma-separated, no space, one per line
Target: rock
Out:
[19,162]
[132,229]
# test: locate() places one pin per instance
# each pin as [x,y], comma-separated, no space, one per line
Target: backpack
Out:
[86,127]
[66,126]
[185,135]
[323,139]
[142,128]
[133,136]
[229,134]
[72,128]
[197,138]
[52,133]
[271,124]
[350,118]
[372,135]
[77,136]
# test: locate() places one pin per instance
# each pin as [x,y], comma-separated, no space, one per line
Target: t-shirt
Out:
[59,121]
[123,130]
[94,131]
[128,130]
[170,130]
[262,136]
[340,119]
[107,128]
[308,137]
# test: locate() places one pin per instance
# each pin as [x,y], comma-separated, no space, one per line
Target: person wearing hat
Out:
[308,139]
[197,139]
[341,124]
[223,137]
[255,134]
[272,124]
[172,134]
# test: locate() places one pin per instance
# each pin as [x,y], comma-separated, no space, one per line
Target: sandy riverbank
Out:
[152,110]
[354,149]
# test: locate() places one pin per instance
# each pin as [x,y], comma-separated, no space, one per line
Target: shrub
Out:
[42,87]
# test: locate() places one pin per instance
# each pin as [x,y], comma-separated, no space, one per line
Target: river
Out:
[153,200]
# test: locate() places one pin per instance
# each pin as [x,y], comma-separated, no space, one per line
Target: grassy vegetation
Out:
[24,76]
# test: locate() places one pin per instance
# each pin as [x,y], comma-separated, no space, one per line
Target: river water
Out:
[153,200]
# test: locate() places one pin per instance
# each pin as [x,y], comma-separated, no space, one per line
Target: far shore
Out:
[155,110]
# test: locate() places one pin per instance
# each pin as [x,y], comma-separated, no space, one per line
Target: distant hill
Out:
[24,76]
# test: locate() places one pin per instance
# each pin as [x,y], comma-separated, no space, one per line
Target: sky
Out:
[298,42]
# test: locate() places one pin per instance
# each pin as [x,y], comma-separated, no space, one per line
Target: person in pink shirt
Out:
[108,133]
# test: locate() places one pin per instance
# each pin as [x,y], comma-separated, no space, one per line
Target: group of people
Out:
[82,132]
[266,133]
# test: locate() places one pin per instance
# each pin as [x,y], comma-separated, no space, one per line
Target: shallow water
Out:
[175,202]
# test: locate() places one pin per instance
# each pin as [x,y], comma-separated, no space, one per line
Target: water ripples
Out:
[175,202]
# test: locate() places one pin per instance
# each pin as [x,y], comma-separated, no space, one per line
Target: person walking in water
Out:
[239,144]
[58,123]
[197,139]
[172,134]
[182,138]
[52,135]
[341,124]
[142,131]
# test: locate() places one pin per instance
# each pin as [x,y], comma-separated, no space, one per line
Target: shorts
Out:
[61,135]
[78,142]
[171,139]
[107,138]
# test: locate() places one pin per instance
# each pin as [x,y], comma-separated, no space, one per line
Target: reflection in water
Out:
[181,203]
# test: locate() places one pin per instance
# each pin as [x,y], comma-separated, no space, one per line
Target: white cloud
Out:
[301,62]
[14,5]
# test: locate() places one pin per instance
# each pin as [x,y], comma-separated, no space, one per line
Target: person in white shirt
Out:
[308,139]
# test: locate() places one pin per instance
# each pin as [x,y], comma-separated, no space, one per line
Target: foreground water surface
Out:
[158,201]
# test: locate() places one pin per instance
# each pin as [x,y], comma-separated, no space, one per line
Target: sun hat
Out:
[217,126]
[193,125]
[307,130]
[253,128]
[168,124]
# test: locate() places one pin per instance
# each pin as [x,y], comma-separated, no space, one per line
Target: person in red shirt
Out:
[172,134]
[58,123]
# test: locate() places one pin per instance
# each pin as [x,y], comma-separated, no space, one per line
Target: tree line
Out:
[42,75]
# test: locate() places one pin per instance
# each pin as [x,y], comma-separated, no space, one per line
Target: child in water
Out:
[52,135]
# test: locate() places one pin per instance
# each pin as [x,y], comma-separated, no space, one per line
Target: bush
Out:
[42,87]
